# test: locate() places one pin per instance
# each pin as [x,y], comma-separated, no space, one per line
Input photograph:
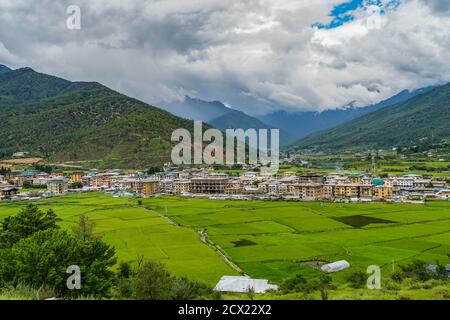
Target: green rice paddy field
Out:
[273,240]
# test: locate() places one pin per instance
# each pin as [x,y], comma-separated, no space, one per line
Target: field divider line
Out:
[205,239]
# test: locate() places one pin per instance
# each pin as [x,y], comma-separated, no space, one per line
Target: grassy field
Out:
[135,232]
[273,240]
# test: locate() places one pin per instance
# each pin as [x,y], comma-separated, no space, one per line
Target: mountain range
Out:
[424,117]
[4,69]
[62,120]
[219,116]
[301,124]
[293,125]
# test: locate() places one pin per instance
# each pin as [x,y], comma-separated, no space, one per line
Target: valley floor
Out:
[269,240]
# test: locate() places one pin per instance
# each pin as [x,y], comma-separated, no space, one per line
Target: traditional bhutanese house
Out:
[311,177]
[7,191]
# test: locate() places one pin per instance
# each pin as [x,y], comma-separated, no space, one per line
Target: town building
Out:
[57,186]
[182,186]
[212,184]
[146,187]
[311,177]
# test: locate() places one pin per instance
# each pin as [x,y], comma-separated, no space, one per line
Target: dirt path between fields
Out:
[203,238]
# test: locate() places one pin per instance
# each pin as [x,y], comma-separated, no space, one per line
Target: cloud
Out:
[256,55]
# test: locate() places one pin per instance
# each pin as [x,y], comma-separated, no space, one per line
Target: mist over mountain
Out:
[222,117]
[424,117]
[301,124]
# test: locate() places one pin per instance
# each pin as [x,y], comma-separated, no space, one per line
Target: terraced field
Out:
[273,240]
[137,232]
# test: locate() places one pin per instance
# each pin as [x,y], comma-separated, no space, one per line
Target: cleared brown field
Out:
[23,161]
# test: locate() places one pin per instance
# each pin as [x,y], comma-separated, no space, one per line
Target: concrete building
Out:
[383,192]
[182,186]
[146,187]
[57,186]
[311,177]
[76,176]
[166,185]
[213,184]
[307,191]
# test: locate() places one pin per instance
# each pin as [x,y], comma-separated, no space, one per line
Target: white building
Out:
[243,284]
[335,266]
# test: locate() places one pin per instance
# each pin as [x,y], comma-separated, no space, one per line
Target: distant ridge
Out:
[220,116]
[4,69]
[301,124]
[424,117]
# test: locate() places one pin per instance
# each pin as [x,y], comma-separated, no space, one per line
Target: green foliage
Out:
[321,283]
[43,168]
[23,292]
[76,185]
[154,169]
[84,230]
[29,221]
[43,258]
[184,289]
[151,281]
[417,270]
[295,284]
[124,270]
[357,279]
[82,121]
[4,170]
[30,185]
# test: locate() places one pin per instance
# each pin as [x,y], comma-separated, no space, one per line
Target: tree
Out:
[84,230]
[152,282]
[295,284]
[43,259]
[124,270]
[27,222]
[76,185]
[322,284]
[184,289]
[357,279]
[153,170]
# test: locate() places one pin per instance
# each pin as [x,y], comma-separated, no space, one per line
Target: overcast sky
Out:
[256,55]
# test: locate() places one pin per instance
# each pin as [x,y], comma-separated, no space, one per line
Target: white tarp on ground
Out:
[336,266]
[242,284]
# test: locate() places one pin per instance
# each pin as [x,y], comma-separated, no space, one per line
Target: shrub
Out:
[357,280]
